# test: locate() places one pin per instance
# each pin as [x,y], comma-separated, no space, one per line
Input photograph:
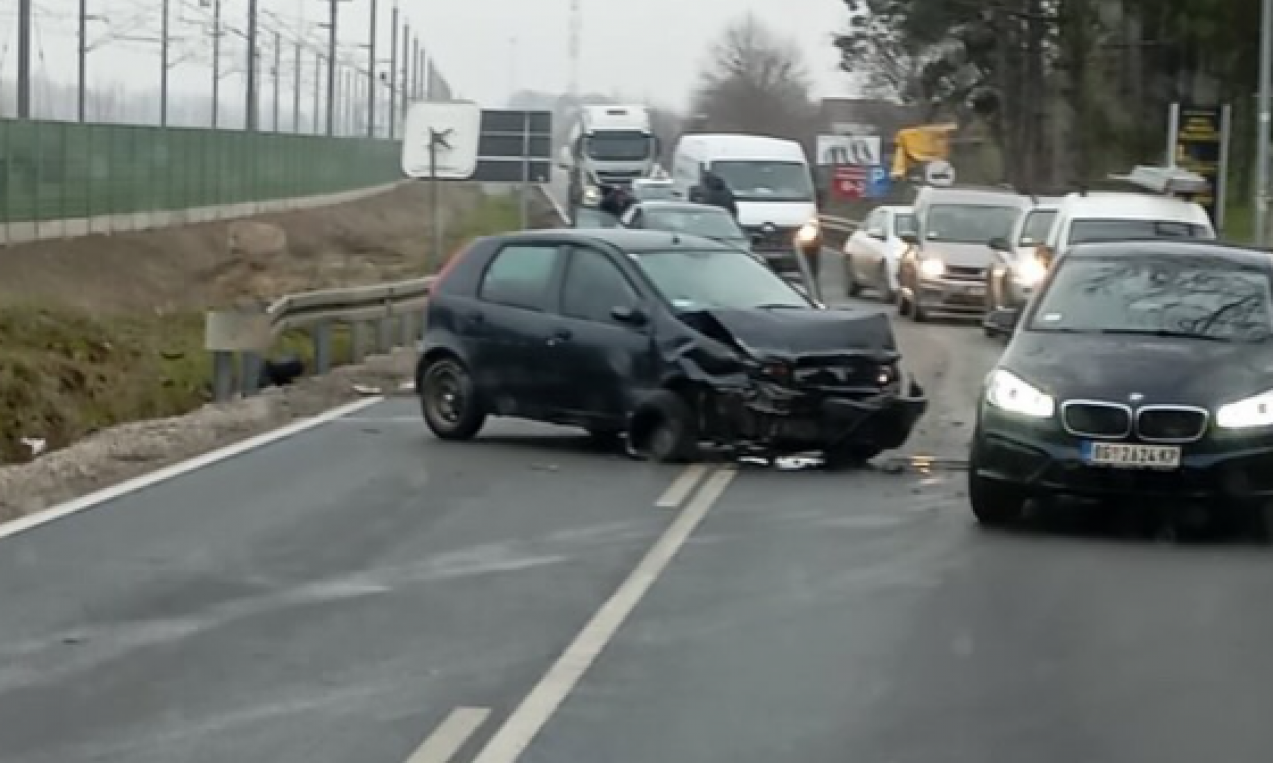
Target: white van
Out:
[771,182]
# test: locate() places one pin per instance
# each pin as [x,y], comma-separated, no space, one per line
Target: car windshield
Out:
[1204,298]
[903,223]
[717,278]
[619,146]
[766,181]
[1037,224]
[711,223]
[1088,231]
[969,223]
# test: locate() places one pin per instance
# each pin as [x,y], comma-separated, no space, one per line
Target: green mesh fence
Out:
[63,170]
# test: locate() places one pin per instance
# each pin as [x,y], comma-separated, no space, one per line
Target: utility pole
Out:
[406,55]
[24,59]
[163,64]
[296,90]
[318,97]
[415,69]
[216,63]
[252,100]
[371,73]
[1262,135]
[81,94]
[278,63]
[393,76]
[333,19]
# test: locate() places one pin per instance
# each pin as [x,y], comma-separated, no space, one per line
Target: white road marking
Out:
[450,735]
[176,470]
[681,487]
[508,743]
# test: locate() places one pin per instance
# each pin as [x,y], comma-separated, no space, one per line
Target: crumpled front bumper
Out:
[802,420]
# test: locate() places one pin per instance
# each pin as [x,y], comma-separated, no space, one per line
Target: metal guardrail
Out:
[380,317]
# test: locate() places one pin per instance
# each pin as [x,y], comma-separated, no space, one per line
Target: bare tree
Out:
[756,82]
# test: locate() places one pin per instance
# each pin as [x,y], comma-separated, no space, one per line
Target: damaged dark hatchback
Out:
[672,341]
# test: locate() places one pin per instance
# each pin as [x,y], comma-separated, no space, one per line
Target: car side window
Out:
[520,276]
[594,287]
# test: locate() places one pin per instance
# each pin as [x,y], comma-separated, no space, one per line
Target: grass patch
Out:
[65,373]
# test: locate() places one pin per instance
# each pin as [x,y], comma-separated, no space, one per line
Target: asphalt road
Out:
[362,593]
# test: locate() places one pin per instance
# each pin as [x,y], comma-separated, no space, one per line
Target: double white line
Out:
[508,743]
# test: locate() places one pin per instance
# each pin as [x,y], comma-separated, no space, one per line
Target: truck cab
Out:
[609,145]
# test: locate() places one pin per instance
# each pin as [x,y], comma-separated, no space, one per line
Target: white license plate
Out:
[1129,456]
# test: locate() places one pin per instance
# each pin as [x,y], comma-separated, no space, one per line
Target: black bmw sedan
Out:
[1140,370]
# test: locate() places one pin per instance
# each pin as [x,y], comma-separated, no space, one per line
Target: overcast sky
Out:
[638,49]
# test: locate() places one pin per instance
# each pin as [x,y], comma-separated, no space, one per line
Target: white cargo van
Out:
[772,185]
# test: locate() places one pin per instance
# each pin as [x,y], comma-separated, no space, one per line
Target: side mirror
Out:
[911,238]
[876,233]
[632,316]
[565,160]
[1000,244]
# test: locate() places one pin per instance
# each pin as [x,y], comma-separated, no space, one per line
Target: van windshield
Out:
[766,180]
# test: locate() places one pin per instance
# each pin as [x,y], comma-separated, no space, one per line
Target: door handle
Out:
[559,336]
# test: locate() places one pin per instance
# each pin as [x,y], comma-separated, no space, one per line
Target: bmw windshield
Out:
[717,278]
[1191,297]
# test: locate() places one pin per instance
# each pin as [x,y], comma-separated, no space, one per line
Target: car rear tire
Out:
[665,429]
[851,287]
[994,503]
[448,400]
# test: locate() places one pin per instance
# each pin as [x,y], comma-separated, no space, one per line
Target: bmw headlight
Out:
[809,233]
[1030,272]
[592,195]
[932,268]
[1250,413]
[1008,392]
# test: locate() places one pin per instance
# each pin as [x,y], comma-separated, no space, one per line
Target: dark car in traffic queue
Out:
[1140,371]
[670,341]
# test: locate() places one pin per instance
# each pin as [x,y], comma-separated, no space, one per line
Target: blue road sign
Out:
[878,183]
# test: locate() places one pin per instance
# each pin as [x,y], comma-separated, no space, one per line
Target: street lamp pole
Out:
[1262,126]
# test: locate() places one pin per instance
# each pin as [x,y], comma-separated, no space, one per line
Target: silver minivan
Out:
[943,269]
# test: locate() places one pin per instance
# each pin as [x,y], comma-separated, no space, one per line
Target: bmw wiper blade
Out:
[1165,333]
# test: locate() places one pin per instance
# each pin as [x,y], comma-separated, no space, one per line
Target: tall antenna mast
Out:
[576,29]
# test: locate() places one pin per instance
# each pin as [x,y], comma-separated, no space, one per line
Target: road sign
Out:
[515,147]
[859,150]
[849,182]
[878,184]
[940,173]
[445,131]
[1199,138]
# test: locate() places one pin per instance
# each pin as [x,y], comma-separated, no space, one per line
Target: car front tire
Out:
[448,400]
[994,503]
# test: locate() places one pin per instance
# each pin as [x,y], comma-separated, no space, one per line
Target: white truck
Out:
[609,145]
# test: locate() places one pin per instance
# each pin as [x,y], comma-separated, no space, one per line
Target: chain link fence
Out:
[53,170]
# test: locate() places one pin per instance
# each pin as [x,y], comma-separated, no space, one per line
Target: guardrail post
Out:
[250,364]
[321,335]
[384,335]
[222,376]
[358,343]
[407,324]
